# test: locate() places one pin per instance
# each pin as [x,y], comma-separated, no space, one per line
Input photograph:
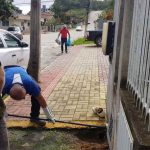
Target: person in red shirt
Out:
[64,32]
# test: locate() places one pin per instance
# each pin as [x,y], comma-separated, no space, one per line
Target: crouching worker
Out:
[4,143]
[18,83]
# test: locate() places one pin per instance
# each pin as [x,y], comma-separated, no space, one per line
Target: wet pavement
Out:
[72,84]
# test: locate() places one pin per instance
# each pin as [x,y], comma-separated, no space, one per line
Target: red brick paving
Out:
[52,74]
[49,78]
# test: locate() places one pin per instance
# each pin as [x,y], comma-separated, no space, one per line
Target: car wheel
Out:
[98,41]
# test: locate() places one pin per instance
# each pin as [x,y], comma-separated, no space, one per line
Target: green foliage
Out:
[6,9]
[54,21]
[76,15]
[74,11]
[82,41]
[107,13]
[70,11]
[99,5]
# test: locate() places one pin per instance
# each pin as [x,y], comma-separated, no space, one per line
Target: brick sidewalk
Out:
[72,85]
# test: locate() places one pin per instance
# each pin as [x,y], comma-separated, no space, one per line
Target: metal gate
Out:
[139,62]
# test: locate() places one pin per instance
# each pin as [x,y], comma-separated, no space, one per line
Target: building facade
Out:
[128,99]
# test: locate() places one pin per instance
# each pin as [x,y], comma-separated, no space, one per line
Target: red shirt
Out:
[64,32]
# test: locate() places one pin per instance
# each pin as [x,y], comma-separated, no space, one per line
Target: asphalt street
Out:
[50,50]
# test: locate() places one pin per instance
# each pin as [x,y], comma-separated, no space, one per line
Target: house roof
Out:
[23,17]
[46,15]
[26,17]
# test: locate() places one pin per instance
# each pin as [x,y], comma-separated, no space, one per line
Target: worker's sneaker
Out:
[38,122]
[99,111]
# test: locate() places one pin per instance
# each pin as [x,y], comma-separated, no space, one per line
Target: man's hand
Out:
[49,114]
[46,110]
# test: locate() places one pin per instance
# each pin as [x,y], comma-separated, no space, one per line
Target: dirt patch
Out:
[71,139]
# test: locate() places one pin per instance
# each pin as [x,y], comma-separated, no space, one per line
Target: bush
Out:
[107,14]
[81,41]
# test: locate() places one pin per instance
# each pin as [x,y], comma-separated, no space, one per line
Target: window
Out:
[5,23]
[10,40]
[1,44]
[11,29]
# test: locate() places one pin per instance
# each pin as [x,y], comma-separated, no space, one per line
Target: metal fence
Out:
[139,62]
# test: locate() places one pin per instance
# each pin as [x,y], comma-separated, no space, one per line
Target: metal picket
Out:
[139,59]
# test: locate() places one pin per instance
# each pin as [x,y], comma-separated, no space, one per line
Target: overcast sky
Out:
[24,5]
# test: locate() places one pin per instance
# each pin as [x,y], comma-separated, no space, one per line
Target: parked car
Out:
[78,28]
[16,31]
[95,36]
[12,50]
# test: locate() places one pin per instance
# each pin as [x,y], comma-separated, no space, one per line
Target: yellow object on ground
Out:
[28,124]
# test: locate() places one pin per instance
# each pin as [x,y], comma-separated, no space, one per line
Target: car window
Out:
[11,29]
[10,40]
[17,29]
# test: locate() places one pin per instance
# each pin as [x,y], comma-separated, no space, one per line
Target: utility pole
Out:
[35,39]
[87,16]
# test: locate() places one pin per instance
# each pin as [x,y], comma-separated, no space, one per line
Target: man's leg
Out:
[62,43]
[4,142]
[35,108]
[66,45]
[35,112]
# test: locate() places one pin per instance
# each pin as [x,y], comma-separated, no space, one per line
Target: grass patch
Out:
[82,41]
[66,139]
[40,140]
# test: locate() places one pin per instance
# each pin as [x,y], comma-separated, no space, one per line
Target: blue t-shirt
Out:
[27,81]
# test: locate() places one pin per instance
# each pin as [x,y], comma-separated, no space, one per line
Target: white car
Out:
[78,28]
[12,50]
[15,31]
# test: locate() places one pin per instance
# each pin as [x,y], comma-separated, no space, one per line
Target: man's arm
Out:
[41,101]
[69,34]
[46,110]
[2,78]
[58,35]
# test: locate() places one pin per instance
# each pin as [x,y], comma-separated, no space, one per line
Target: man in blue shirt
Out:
[18,83]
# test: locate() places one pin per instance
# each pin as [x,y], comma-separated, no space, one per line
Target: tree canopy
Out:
[69,10]
[107,13]
[74,11]
[7,9]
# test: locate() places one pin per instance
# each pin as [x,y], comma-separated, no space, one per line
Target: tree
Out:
[69,10]
[35,43]
[6,9]
[98,5]
[107,13]
[53,21]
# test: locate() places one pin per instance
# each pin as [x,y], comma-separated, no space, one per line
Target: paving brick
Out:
[72,85]
[67,116]
[70,107]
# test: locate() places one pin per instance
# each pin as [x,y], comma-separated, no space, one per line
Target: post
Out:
[87,15]
[35,39]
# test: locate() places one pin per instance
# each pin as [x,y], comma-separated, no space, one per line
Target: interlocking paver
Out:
[72,85]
